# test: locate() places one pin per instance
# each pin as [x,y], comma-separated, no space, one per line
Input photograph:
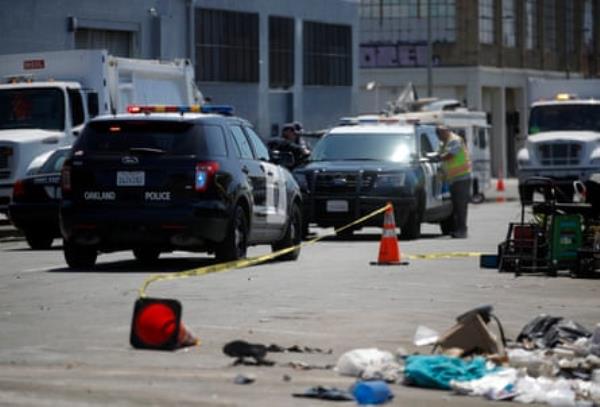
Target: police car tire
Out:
[79,256]
[447,225]
[293,235]
[235,245]
[146,255]
[38,240]
[412,227]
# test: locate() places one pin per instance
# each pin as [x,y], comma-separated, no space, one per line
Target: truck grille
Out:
[560,153]
[342,183]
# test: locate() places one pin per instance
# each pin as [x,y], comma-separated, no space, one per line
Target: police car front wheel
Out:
[293,235]
[235,245]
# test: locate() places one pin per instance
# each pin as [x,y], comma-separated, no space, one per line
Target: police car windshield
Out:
[564,117]
[151,137]
[398,147]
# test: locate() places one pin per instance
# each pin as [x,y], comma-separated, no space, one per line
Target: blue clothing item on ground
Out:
[436,371]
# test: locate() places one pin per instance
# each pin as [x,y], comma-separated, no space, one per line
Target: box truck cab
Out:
[46,98]
[563,141]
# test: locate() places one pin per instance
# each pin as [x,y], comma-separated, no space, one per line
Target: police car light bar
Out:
[565,96]
[224,110]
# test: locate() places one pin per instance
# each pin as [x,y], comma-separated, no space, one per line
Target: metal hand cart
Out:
[547,242]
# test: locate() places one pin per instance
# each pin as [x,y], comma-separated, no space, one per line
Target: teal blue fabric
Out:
[436,371]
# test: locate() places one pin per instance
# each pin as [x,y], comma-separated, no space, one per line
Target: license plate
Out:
[337,206]
[131,178]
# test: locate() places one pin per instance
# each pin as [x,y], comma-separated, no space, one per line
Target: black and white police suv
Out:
[359,166]
[175,178]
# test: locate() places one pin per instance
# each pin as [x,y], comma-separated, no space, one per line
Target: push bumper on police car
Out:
[327,211]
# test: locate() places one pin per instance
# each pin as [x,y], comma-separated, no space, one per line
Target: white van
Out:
[472,126]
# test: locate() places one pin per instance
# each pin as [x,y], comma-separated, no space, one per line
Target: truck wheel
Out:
[146,255]
[79,256]
[293,236]
[235,245]
[38,240]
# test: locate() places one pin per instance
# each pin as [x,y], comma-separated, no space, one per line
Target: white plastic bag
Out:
[425,336]
[354,362]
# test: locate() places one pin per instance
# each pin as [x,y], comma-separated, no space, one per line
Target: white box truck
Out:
[47,97]
[563,138]
[473,127]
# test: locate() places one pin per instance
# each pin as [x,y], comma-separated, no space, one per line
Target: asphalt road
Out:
[64,335]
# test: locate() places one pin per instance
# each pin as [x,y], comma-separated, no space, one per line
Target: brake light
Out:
[65,178]
[19,189]
[205,173]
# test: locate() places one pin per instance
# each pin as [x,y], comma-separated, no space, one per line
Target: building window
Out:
[486,21]
[569,27]
[227,46]
[588,24]
[327,54]
[550,25]
[509,23]
[118,43]
[281,52]
[405,21]
[531,34]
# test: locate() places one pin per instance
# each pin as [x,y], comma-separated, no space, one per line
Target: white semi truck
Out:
[563,138]
[47,97]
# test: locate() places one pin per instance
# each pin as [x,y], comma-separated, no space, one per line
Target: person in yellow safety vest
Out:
[457,168]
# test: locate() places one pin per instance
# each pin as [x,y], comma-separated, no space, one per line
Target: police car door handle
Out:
[245,170]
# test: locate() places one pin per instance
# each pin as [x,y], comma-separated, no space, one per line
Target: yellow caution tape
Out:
[251,261]
[448,255]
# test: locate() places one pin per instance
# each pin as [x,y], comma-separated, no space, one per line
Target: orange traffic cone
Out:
[389,250]
[500,188]
[157,325]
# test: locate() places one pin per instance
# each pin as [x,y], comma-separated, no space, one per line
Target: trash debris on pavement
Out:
[437,371]
[498,385]
[299,365]
[471,335]
[244,379]
[425,336]
[372,392]
[326,393]
[275,348]
[372,362]
[241,350]
[546,331]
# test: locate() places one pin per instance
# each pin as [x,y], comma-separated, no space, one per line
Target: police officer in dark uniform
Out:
[291,141]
